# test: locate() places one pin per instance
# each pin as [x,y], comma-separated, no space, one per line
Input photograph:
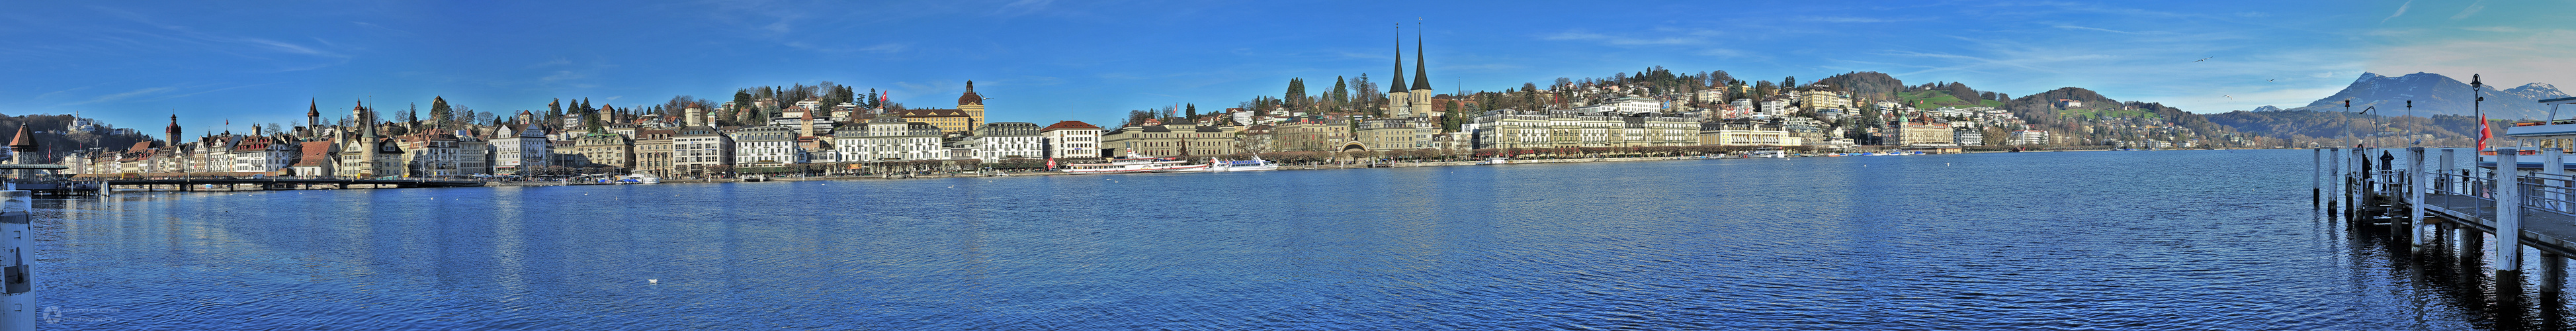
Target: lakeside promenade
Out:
[1327,166]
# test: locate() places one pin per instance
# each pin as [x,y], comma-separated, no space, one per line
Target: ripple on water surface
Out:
[2162,240]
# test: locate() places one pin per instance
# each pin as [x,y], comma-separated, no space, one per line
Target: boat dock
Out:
[2442,220]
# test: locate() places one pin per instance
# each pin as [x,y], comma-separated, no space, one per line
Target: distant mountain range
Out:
[2436,94]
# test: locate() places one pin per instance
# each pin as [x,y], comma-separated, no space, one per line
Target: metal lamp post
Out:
[2478,89]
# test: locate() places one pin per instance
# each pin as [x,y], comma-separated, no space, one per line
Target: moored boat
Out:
[1255,164]
[1135,164]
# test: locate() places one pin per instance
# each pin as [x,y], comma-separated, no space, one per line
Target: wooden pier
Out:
[2443,220]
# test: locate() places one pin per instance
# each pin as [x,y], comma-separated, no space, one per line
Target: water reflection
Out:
[2199,240]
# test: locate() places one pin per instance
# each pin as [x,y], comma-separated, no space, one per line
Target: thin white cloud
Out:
[2062,26]
[243,46]
[561,75]
[2473,9]
[886,48]
[2401,10]
[1023,7]
[127,94]
[1624,40]
[202,92]
[55,93]
[1722,52]
[556,62]
[1844,19]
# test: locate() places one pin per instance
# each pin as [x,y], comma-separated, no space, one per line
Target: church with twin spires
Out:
[1414,102]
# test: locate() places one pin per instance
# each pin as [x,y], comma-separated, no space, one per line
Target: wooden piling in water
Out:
[2420,179]
[2508,197]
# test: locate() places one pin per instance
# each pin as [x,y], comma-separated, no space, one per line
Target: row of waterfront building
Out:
[809,135]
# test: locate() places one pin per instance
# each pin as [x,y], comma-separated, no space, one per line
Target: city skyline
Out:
[1042,61]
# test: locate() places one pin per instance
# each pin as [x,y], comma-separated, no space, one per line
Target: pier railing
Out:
[2463,189]
[2549,192]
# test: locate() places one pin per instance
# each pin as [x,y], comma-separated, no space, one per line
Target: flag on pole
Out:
[2484,133]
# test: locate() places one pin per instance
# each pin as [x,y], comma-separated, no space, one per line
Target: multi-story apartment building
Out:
[1309,134]
[369,157]
[605,151]
[1968,137]
[1511,129]
[698,150]
[1824,100]
[431,154]
[1398,133]
[520,149]
[2028,137]
[1659,130]
[473,154]
[1071,139]
[1745,133]
[889,137]
[1177,138]
[766,147]
[1920,131]
[1002,140]
[263,153]
[653,152]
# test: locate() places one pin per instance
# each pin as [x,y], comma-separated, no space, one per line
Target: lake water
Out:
[2191,240]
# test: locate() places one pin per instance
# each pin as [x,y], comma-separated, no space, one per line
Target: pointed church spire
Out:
[1421,76]
[1395,84]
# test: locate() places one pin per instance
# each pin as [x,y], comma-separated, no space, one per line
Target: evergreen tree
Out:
[1341,93]
[554,111]
[1192,111]
[1296,93]
[741,101]
[591,120]
[440,113]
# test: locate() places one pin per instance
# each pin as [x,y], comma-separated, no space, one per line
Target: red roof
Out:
[316,153]
[1069,125]
[24,140]
[970,98]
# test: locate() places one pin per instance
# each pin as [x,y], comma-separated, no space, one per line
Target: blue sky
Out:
[134,63]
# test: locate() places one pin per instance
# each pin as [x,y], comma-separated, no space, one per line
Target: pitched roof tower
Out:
[24,141]
[174,130]
[1395,84]
[1421,76]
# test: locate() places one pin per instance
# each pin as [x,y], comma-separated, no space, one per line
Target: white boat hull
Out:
[1247,168]
[1140,170]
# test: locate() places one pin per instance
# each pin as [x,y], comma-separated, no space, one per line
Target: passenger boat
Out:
[2535,135]
[1135,164]
[641,179]
[1255,164]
